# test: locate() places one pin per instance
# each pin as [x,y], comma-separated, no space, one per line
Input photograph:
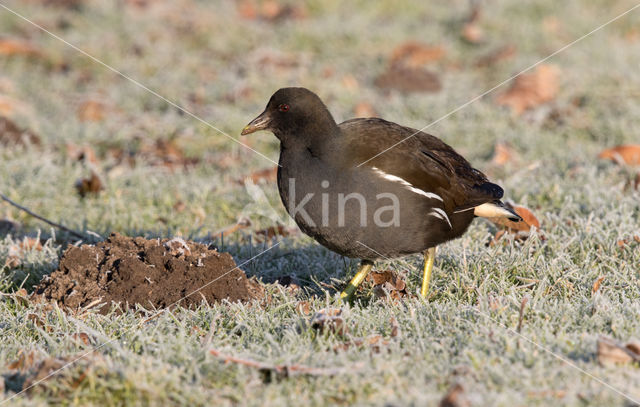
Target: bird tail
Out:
[496,209]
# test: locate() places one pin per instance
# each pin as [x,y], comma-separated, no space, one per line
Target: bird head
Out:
[293,113]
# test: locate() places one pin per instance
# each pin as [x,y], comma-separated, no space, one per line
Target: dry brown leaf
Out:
[520,230]
[91,111]
[611,352]
[501,54]
[503,153]
[532,89]
[395,327]
[414,54]
[552,25]
[261,176]
[623,154]
[375,342]
[273,231]
[388,284]
[350,82]
[364,109]
[329,320]
[455,397]
[12,135]
[303,307]
[408,80]
[270,10]
[10,107]
[471,31]
[91,185]
[26,360]
[242,223]
[545,394]
[81,338]
[14,46]
[596,285]
[528,220]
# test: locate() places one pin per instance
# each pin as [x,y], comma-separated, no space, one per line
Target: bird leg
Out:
[363,270]
[429,257]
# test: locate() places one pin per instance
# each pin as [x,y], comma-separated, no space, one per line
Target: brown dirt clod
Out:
[153,273]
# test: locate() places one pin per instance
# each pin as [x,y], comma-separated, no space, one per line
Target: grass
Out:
[207,59]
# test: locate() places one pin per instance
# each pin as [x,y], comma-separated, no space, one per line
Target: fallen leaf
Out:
[303,307]
[414,54]
[14,46]
[179,206]
[532,89]
[611,352]
[596,285]
[242,223]
[471,30]
[10,107]
[329,320]
[395,327]
[623,154]
[26,360]
[503,153]
[91,111]
[364,109]
[91,185]
[273,231]
[37,321]
[81,338]
[551,24]
[375,342]
[270,10]
[388,284]
[12,135]
[545,394]
[520,230]
[408,80]
[498,55]
[350,82]
[261,176]
[472,33]
[455,397]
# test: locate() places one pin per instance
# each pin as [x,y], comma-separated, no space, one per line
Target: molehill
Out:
[154,273]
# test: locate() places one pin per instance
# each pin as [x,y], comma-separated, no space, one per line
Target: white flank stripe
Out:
[406,184]
[439,213]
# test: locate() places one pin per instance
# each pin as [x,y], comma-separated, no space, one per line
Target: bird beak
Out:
[259,123]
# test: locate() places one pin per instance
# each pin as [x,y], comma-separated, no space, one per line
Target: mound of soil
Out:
[153,273]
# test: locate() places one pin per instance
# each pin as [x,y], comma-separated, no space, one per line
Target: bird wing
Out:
[422,160]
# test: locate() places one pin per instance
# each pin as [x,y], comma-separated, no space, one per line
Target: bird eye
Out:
[283,107]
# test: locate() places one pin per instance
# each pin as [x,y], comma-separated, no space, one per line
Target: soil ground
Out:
[152,273]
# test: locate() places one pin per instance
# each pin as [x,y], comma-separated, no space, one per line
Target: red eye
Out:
[283,107]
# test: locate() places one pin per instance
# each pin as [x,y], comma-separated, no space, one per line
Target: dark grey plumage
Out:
[437,188]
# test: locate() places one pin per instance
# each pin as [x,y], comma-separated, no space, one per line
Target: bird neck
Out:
[317,137]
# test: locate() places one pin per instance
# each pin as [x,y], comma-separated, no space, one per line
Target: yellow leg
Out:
[429,257]
[363,270]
